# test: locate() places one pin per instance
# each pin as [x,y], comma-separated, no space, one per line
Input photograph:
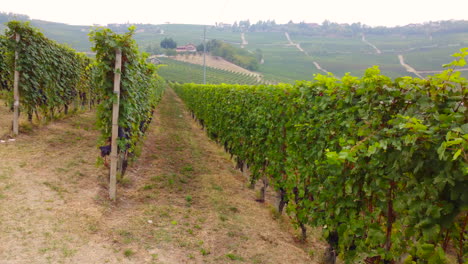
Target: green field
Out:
[285,63]
[279,58]
[398,43]
[266,38]
[182,34]
[429,59]
[332,45]
[356,64]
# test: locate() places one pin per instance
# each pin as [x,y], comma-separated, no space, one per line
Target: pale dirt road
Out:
[244,41]
[408,67]
[370,44]
[298,46]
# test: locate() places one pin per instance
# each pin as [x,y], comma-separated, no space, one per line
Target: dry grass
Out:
[183,202]
[25,126]
[48,184]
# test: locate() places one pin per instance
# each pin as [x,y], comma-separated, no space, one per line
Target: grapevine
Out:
[141,88]
[379,165]
[5,71]
[50,73]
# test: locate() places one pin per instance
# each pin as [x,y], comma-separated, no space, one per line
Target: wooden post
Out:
[89,98]
[245,171]
[115,125]
[16,92]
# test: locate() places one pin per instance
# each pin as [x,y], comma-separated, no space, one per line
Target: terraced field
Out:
[182,72]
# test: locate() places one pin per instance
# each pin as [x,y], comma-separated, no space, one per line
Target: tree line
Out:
[346,29]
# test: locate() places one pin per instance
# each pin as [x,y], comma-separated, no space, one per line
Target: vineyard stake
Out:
[115,125]
[16,92]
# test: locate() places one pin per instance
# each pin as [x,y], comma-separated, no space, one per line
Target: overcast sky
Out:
[370,12]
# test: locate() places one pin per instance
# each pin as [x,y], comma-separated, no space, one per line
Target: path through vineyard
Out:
[182,201]
[298,46]
[408,67]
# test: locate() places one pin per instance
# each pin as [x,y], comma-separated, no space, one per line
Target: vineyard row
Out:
[43,77]
[379,165]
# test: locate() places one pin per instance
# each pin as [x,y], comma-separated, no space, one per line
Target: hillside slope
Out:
[215,62]
[336,53]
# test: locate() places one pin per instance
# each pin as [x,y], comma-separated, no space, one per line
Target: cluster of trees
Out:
[345,29]
[168,43]
[5,17]
[230,53]
[169,46]
[260,26]
[166,46]
[433,27]
[147,28]
[153,49]
[215,47]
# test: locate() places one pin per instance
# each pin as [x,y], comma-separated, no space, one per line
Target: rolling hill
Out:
[291,54]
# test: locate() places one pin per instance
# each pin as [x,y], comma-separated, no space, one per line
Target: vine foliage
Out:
[140,91]
[50,73]
[379,165]
[5,68]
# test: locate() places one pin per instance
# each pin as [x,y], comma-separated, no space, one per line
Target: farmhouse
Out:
[187,48]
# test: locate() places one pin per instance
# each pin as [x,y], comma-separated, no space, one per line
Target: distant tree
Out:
[356,28]
[5,17]
[244,25]
[259,54]
[153,49]
[168,43]
[156,50]
[171,52]
[235,27]
[326,24]
[200,47]
[233,54]
[149,49]
[210,45]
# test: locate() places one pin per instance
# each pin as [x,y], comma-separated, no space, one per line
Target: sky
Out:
[369,12]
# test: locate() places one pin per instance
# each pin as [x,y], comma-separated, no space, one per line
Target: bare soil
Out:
[180,202]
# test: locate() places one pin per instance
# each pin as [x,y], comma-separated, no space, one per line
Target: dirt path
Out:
[244,41]
[418,73]
[370,44]
[48,187]
[408,67]
[429,72]
[298,46]
[181,202]
[319,67]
